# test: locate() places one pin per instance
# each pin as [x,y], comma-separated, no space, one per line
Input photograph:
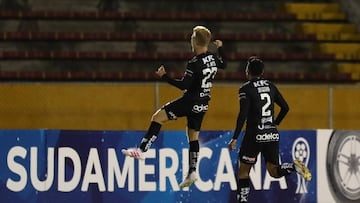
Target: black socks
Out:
[285,169]
[193,155]
[150,136]
[243,190]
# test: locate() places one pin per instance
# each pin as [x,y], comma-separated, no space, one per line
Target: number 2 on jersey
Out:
[265,111]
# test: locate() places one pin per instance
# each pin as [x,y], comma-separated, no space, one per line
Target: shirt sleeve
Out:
[222,58]
[284,107]
[182,83]
[244,103]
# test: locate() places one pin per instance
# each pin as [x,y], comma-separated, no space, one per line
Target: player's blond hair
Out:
[201,36]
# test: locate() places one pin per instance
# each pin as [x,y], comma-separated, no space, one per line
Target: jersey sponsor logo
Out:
[205,93]
[208,59]
[264,127]
[267,137]
[200,108]
[260,83]
[267,119]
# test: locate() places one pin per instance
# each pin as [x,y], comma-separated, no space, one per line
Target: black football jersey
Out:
[199,75]
[257,99]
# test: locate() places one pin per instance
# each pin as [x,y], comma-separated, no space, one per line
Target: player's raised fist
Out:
[218,43]
[161,71]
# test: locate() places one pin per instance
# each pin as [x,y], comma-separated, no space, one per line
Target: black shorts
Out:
[250,149]
[194,110]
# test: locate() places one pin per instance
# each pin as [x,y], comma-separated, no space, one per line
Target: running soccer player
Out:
[257,98]
[196,83]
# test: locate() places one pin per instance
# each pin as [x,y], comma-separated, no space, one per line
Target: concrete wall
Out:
[129,106]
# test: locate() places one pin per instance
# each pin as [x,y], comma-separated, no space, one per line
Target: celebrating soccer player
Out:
[196,83]
[257,98]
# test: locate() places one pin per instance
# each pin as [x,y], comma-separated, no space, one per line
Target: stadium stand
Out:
[128,36]
[71,40]
[336,34]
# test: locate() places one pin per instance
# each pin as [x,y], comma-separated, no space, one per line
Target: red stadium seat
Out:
[127,36]
[147,76]
[92,55]
[66,39]
[86,15]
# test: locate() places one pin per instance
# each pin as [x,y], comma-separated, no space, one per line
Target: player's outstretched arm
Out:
[182,83]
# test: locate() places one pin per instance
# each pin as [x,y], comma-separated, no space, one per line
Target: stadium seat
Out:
[146,76]
[315,11]
[87,15]
[130,36]
[295,32]
[91,55]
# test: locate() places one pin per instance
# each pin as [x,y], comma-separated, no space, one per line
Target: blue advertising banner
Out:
[87,166]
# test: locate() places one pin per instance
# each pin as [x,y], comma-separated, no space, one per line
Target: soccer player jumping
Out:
[257,98]
[196,83]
